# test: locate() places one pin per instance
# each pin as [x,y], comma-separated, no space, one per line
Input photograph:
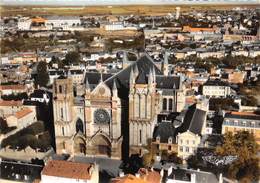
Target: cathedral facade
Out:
[116,114]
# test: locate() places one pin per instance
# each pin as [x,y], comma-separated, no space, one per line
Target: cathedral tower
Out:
[62,107]
[143,105]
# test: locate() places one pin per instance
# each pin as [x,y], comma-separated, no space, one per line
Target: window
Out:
[169,140]
[170,104]
[193,142]
[169,148]
[63,133]
[60,89]
[140,106]
[164,104]
[61,113]
[187,141]
[181,148]
[140,136]
[158,138]
[145,103]
[181,141]
[187,149]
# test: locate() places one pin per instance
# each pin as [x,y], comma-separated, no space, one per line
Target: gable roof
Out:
[164,130]
[193,120]
[20,114]
[59,168]
[167,82]
[11,103]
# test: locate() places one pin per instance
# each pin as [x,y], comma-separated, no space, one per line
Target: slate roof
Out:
[185,175]
[144,64]
[167,82]
[239,115]
[193,120]
[164,130]
[215,83]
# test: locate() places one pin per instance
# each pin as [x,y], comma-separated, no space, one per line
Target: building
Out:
[216,88]
[191,131]
[164,137]
[12,89]
[238,121]
[129,179]
[115,109]
[21,119]
[24,24]
[8,107]
[58,22]
[57,171]
[142,176]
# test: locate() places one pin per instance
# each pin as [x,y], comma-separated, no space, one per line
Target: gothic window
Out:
[140,136]
[79,126]
[63,133]
[101,116]
[60,89]
[170,104]
[145,103]
[158,138]
[164,104]
[140,103]
[61,113]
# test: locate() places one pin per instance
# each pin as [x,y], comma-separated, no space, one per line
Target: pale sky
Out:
[122,2]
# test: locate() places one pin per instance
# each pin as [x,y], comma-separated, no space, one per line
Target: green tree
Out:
[42,77]
[72,58]
[244,146]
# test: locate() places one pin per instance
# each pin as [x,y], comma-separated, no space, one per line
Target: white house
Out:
[216,88]
[24,24]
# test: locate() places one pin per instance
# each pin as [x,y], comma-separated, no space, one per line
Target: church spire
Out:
[101,77]
[87,86]
[154,75]
[114,88]
[150,77]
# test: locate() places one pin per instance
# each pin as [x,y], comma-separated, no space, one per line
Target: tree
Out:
[244,146]
[42,77]
[72,58]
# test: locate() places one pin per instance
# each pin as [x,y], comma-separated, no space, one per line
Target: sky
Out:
[123,2]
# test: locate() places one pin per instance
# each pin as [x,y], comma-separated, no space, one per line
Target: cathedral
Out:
[116,114]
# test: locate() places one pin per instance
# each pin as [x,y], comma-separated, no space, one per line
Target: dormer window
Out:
[170,140]
[158,139]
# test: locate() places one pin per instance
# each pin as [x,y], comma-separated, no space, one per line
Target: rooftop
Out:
[67,169]
[23,113]
[11,103]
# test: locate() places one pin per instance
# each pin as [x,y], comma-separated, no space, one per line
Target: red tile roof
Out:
[12,87]
[11,103]
[67,169]
[23,113]
[128,179]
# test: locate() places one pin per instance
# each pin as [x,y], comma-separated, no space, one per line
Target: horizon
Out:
[124,2]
